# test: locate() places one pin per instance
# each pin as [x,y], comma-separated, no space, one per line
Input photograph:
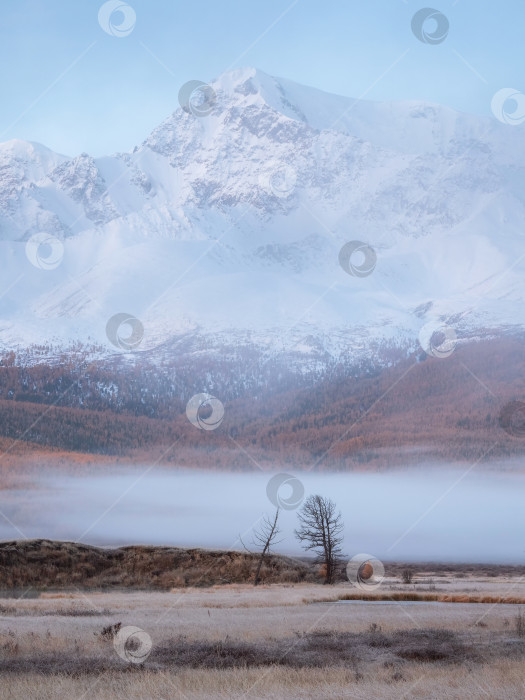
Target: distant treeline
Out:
[419,408]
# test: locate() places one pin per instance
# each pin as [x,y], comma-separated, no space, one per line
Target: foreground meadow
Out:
[274,641]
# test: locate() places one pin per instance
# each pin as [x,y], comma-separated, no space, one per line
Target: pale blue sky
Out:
[117,92]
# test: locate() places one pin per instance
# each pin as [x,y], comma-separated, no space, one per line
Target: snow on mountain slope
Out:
[196,232]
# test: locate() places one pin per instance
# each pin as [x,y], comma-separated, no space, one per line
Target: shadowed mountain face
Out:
[223,230]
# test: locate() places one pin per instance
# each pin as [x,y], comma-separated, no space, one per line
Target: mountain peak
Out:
[245,81]
[249,86]
[25,161]
[281,176]
[407,127]
[19,149]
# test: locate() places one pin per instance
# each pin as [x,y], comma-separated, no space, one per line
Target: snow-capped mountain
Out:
[227,226]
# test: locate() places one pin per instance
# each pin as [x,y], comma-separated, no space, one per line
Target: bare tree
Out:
[320,530]
[407,575]
[263,538]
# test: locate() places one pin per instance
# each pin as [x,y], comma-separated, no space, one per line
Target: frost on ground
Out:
[276,641]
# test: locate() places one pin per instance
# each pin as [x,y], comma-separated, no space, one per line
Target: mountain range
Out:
[223,231]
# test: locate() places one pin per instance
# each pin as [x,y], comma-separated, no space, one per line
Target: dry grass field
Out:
[290,641]
[47,563]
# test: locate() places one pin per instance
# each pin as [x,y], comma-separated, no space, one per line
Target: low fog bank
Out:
[414,515]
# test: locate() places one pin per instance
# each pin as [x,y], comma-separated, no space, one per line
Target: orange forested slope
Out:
[420,408]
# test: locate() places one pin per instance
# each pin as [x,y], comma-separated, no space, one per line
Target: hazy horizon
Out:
[417,514]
